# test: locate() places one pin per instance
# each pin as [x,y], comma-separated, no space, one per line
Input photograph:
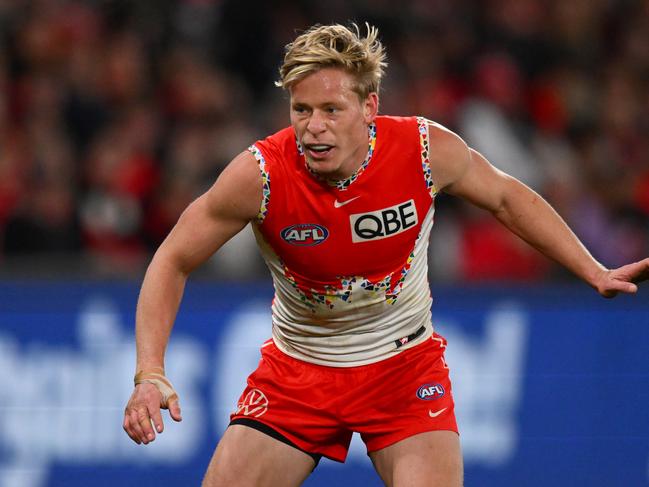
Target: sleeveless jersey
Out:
[349,258]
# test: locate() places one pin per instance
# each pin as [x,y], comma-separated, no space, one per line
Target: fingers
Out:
[630,288]
[137,424]
[130,430]
[134,427]
[641,271]
[153,391]
[144,421]
[143,415]
[143,408]
[174,408]
[619,287]
[623,279]
[634,272]
[154,414]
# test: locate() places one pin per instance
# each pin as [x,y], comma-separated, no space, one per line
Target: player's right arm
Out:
[206,224]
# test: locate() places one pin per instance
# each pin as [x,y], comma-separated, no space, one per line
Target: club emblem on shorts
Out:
[254,404]
[428,392]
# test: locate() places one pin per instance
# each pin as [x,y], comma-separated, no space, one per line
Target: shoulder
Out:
[445,140]
[237,192]
[449,154]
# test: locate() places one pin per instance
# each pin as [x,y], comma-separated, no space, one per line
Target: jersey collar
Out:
[343,184]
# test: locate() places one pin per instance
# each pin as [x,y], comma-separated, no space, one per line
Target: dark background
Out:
[114,115]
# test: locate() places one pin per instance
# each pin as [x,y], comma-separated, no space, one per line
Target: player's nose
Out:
[316,123]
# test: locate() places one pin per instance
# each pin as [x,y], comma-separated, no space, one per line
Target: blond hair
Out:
[337,46]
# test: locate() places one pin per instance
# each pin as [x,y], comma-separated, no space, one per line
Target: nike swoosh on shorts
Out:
[436,413]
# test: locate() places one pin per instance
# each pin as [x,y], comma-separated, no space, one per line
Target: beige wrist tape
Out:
[161,382]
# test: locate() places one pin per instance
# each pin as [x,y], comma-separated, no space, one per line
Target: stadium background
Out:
[114,115]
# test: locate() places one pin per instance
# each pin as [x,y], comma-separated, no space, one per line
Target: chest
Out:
[322,233]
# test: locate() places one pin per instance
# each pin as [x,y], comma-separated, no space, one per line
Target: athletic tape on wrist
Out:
[162,384]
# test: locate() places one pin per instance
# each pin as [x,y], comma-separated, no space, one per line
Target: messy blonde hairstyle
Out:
[336,46]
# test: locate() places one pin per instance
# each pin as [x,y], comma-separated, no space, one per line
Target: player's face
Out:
[331,122]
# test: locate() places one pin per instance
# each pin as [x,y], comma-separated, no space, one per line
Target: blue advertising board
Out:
[551,384]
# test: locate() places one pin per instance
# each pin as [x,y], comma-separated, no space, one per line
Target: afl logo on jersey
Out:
[305,234]
[428,392]
[384,223]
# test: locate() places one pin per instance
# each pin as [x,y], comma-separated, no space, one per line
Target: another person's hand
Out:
[153,392]
[623,279]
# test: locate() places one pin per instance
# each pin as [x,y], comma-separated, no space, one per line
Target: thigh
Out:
[431,459]
[246,457]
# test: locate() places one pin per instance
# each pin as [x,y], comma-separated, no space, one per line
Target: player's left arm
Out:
[464,172]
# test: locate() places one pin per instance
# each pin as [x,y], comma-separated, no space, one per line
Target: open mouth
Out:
[319,151]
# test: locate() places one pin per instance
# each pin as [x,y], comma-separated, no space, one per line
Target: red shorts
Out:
[317,408]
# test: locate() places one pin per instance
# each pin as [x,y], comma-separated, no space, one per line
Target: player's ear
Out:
[370,107]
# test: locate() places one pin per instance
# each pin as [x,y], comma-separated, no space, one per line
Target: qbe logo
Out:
[305,234]
[428,392]
[384,223]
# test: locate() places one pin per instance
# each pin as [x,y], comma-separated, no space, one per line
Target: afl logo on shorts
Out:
[428,392]
[384,223]
[305,234]
[253,404]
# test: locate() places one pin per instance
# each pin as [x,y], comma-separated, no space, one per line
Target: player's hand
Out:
[142,412]
[623,279]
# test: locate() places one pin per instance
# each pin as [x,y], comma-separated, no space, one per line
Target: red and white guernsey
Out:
[349,258]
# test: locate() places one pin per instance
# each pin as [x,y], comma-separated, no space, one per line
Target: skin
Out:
[326,112]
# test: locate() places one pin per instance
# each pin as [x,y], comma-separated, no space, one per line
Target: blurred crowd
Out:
[115,115]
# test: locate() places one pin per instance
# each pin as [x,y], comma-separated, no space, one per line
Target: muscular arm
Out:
[206,224]
[464,172]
